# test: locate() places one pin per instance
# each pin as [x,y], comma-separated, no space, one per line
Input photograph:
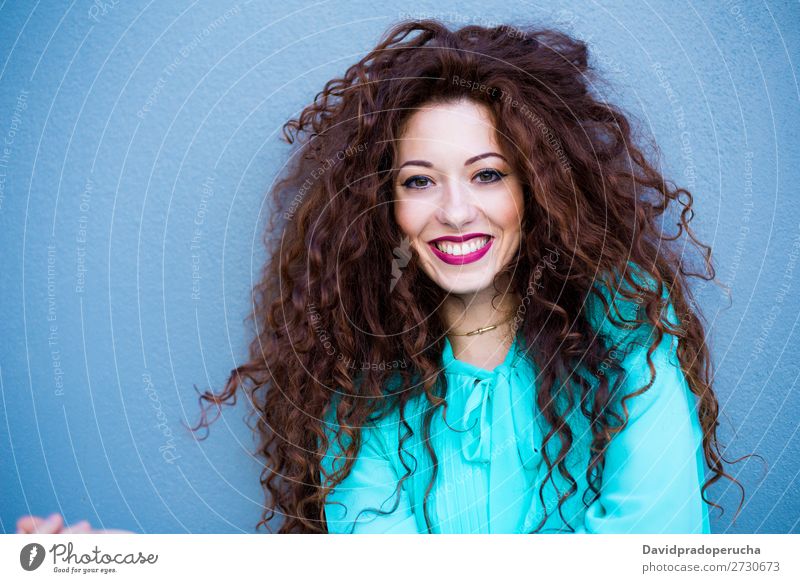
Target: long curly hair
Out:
[336,293]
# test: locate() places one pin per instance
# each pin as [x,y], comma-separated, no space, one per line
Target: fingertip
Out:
[26,523]
[52,525]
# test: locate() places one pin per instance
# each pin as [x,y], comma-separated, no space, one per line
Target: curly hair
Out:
[324,300]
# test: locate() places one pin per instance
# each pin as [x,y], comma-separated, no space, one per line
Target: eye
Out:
[417,182]
[489,175]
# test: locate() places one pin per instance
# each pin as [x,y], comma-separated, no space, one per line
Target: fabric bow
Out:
[477,422]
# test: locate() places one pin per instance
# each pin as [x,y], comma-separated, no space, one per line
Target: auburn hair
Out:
[328,296]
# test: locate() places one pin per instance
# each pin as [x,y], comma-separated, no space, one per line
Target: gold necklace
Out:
[482,330]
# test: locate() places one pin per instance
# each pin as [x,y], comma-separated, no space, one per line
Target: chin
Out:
[464,285]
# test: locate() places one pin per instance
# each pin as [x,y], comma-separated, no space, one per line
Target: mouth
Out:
[461,250]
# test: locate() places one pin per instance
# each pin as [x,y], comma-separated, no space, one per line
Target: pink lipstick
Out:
[461,259]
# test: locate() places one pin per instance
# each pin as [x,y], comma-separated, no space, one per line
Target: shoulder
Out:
[372,439]
[381,431]
[615,306]
[635,355]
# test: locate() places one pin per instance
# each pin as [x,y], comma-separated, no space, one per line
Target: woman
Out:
[471,320]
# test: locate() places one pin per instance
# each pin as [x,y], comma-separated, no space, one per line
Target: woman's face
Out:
[456,197]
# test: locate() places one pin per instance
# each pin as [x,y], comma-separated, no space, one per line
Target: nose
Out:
[457,207]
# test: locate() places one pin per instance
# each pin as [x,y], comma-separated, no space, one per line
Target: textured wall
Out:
[139,139]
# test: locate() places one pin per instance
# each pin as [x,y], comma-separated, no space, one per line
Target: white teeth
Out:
[457,249]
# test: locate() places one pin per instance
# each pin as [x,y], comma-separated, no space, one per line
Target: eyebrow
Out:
[472,160]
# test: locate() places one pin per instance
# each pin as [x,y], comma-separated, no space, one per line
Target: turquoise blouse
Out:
[489,441]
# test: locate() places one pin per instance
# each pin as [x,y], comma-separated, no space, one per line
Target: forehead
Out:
[455,127]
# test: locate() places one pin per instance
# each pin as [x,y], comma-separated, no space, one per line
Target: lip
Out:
[460,238]
[461,259]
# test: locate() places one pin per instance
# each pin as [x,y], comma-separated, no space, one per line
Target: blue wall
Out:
[140,139]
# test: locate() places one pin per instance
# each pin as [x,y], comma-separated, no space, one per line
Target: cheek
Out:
[508,212]
[409,216]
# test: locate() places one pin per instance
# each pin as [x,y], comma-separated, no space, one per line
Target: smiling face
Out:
[456,196]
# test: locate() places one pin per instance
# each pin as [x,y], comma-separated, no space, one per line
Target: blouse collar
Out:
[476,417]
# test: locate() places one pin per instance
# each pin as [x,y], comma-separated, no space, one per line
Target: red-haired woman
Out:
[471,320]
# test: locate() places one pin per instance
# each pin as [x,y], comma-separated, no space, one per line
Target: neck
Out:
[489,349]
[464,313]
